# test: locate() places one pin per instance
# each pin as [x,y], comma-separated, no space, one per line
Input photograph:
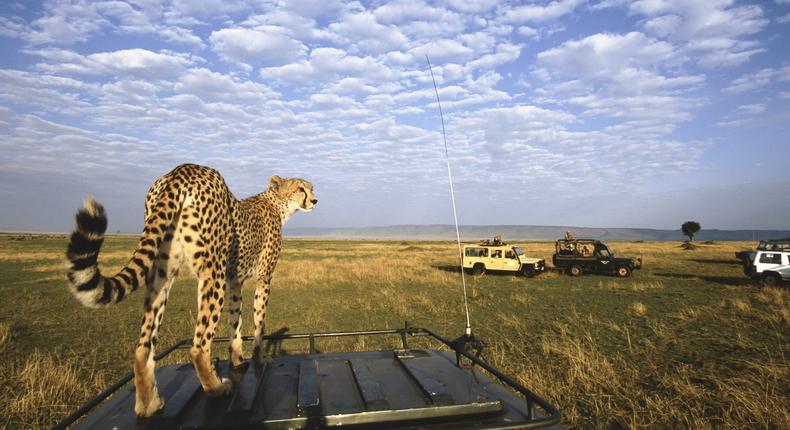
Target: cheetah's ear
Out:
[275,181]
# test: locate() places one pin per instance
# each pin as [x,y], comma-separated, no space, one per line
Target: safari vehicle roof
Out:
[581,240]
[489,245]
[395,389]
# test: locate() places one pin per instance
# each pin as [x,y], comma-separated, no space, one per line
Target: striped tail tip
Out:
[83,254]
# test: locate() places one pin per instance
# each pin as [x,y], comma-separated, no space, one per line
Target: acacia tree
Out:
[690,228]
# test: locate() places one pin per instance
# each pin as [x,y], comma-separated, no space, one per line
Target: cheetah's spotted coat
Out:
[191,217]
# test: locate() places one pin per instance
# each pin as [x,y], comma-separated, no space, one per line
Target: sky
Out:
[598,113]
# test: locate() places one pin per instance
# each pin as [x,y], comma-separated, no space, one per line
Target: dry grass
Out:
[687,342]
[43,386]
[5,335]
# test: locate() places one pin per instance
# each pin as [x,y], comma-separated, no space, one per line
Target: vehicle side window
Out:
[476,252]
[510,254]
[770,258]
[497,254]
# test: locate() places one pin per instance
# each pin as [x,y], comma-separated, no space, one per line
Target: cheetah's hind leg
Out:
[234,313]
[212,292]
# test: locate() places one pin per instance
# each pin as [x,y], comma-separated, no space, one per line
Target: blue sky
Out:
[600,113]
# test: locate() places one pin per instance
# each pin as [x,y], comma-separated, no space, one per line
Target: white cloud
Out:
[537,146]
[60,30]
[630,80]
[141,62]
[505,53]
[13,27]
[327,64]
[602,54]
[364,34]
[420,20]
[209,85]
[126,62]
[608,4]
[266,45]
[527,31]
[300,27]
[180,35]
[68,22]
[353,86]
[758,80]
[753,108]
[472,6]
[539,13]
[442,50]
[205,9]
[702,26]
[736,123]
[325,9]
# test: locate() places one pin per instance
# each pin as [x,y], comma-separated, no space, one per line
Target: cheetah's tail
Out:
[86,281]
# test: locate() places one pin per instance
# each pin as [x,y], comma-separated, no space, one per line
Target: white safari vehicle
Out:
[765,260]
[500,257]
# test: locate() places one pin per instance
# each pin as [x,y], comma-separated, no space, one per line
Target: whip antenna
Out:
[452,197]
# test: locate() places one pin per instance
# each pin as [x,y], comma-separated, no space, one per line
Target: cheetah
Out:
[191,219]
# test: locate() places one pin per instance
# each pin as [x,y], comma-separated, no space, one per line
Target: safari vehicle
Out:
[747,256]
[500,257]
[401,388]
[579,256]
[765,260]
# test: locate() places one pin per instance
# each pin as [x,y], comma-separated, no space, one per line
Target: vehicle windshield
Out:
[518,250]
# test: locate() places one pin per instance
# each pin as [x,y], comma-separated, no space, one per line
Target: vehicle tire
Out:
[623,271]
[528,271]
[575,270]
[770,280]
[478,269]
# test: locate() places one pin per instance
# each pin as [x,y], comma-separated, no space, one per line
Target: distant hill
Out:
[526,232]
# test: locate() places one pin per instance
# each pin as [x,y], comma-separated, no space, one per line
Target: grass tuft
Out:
[638,308]
[5,335]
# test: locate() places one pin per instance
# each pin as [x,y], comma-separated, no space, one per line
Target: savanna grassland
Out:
[687,342]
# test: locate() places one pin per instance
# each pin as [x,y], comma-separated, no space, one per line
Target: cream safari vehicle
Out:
[497,256]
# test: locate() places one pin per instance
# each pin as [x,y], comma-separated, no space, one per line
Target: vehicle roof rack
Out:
[400,388]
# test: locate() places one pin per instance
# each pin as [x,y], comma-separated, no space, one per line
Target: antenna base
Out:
[469,344]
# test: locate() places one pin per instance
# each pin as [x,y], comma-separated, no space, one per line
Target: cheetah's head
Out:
[297,194]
